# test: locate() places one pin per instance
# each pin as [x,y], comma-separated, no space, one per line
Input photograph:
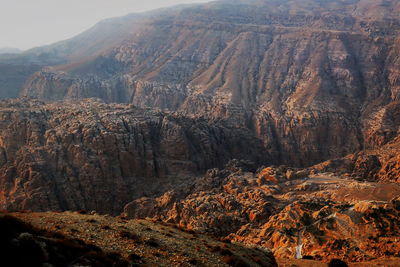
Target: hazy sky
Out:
[28,23]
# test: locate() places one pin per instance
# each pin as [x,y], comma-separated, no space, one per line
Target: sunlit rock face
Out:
[293,212]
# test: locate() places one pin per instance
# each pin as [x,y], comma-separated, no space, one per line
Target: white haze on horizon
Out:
[29,23]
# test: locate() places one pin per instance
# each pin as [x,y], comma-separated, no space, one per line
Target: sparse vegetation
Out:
[152,242]
[130,236]
[235,261]
[306,219]
[105,227]
[225,252]
[193,262]
[134,257]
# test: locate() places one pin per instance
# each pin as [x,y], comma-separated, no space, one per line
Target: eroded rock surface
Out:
[93,156]
[295,213]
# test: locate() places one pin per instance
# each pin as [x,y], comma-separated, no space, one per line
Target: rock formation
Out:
[89,155]
[295,213]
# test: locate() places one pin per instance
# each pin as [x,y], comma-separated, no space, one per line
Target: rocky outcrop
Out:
[295,213]
[324,229]
[380,159]
[219,203]
[93,156]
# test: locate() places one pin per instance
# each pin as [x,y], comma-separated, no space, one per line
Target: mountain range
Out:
[231,103]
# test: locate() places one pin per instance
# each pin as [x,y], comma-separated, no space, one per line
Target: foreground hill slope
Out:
[72,239]
[309,79]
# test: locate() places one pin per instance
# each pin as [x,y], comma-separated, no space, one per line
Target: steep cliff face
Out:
[380,160]
[89,155]
[309,80]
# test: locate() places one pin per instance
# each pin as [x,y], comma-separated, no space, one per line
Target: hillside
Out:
[72,239]
[106,241]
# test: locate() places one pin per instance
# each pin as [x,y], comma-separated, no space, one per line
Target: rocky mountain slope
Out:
[72,239]
[308,79]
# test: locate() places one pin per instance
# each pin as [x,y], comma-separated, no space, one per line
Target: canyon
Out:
[262,122]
